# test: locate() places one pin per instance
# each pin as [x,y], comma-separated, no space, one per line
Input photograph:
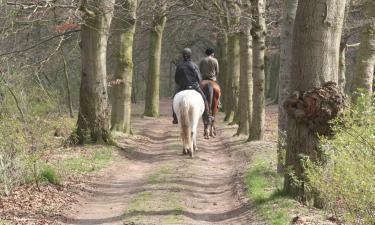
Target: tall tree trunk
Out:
[315,59]
[258,33]
[223,61]
[289,14]
[274,76]
[233,76]
[365,63]
[245,75]
[286,38]
[153,81]
[342,67]
[121,109]
[343,48]
[93,124]
[67,84]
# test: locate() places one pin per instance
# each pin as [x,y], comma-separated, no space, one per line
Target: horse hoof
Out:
[206,137]
[184,152]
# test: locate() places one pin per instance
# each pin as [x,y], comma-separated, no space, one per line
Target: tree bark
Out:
[366,53]
[121,108]
[67,84]
[245,77]
[223,61]
[153,82]
[274,76]
[342,67]
[286,38]
[93,124]
[233,76]
[315,59]
[258,33]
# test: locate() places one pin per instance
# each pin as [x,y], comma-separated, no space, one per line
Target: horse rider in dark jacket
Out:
[187,76]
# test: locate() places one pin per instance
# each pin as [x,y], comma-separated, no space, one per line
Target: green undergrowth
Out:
[264,187]
[93,160]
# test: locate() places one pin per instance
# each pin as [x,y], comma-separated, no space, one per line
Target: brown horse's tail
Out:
[185,124]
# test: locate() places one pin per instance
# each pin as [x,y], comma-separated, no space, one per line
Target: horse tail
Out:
[185,124]
[209,92]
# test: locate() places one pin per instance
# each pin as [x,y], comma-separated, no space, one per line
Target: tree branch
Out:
[40,43]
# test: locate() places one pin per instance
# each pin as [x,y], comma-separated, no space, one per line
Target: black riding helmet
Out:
[186,53]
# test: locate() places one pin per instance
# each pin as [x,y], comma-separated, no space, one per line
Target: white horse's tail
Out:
[185,124]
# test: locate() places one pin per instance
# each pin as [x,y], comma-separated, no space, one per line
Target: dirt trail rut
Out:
[155,184]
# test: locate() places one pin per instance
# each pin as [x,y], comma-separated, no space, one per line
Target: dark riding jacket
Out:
[187,75]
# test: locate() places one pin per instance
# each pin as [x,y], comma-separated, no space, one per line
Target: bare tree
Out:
[289,14]
[233,78]
[246,79]
[153,80]
[258,32]
[364,74]
[315,57]
[125,28]
[93,121]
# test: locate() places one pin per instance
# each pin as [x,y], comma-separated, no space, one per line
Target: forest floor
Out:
[149,182]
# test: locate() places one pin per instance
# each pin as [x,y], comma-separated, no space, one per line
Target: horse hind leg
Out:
[191,145]
[194,138]
[206,132]
[213,129]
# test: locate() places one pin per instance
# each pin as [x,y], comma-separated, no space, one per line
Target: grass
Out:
[4,222]
[164,201]
[51,175]
[160,175]
[94,161]
[80,164]
[265,189]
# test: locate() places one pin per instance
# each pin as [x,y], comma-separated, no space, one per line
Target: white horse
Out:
[189,107]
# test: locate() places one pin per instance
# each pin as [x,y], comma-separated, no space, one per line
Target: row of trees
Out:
[312,52]
[309,58]
[234,18]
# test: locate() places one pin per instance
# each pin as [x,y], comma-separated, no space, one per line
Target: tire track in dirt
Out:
[154,183]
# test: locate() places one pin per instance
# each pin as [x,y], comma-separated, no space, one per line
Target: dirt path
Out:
[154,183]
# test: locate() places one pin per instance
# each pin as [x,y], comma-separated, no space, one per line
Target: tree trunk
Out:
[153,82]
[315,59]
[274,76]
[258,33]
[289,14]
[245,77]
[93,124]
[366,53]
[342,67]
[121,109]
[233,76]
[223,61]
[67,85]
[286,38]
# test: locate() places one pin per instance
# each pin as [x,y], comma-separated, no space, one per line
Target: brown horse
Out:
[212,92]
